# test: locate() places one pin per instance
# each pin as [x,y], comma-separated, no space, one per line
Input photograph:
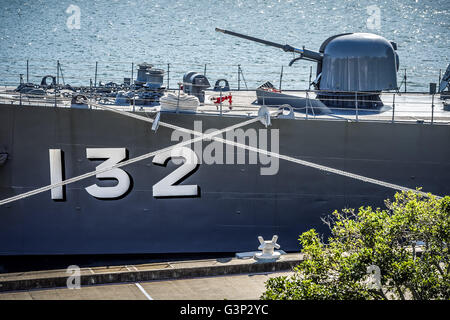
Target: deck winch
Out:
[195,84]
[148,76]
[149,85]
[352,68]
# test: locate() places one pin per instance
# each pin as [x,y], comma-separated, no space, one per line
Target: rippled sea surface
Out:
[119,33]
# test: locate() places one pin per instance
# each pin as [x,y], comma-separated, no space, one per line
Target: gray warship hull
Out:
[235,203]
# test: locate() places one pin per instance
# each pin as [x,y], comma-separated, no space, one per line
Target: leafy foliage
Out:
[407,244]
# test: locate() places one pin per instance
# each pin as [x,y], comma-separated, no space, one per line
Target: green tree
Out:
[397,253]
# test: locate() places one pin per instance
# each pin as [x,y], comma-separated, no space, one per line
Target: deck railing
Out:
[400,104]
[397,106]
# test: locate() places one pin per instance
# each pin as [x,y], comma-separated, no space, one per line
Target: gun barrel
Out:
[305,53]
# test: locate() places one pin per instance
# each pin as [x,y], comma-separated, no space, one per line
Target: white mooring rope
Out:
[202,136]
[273,154]
[127,162]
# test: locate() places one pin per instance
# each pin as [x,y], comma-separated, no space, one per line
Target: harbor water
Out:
[181,33]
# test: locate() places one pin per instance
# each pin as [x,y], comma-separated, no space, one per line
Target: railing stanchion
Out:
[432,92]
[306,105]
[393,107]
[168,76]
[432,108]
[356,101]
[281,78]
[132,74]
[220,99]
[310,77]
[95,79]
[239,77]
[404,78]
[178,99]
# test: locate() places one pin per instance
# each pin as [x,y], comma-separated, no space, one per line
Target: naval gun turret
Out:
[351,67]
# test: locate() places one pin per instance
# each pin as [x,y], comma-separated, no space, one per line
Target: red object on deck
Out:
[218,100]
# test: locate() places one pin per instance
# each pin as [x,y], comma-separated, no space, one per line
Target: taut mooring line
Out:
[277,155]
[127,162]
[202,136]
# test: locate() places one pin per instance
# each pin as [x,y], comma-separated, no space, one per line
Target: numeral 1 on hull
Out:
[56,173]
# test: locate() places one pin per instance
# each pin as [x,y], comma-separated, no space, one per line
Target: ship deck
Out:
[408,107]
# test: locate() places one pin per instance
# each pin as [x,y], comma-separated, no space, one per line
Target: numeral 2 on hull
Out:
[164,188]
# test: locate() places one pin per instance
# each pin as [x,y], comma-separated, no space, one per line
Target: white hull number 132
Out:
[164,188]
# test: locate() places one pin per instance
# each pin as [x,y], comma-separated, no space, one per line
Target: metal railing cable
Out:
[415,104]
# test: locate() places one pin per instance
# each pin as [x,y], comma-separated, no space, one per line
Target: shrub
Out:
[406,245]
